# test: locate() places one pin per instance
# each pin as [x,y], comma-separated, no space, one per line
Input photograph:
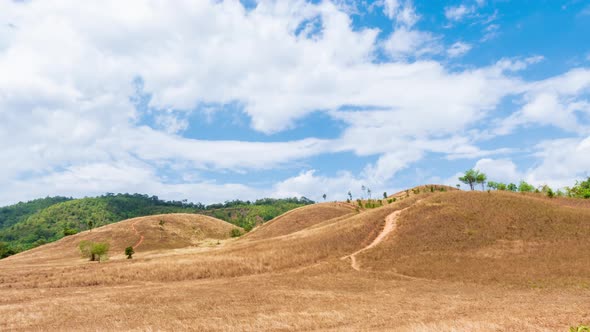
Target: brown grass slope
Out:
[300,218]
[495,237]
[294,279]
[160,232]
[325,241]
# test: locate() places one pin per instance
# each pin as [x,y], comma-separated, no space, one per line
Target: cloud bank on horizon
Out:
[219,100]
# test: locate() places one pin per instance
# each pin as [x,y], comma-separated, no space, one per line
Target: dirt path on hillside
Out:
[390,224]
[138,234]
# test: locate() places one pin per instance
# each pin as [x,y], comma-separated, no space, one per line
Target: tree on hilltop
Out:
[473,177]
[481,179]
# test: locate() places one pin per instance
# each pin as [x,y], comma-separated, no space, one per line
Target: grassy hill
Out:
[27,225]
[429,261]
[157,232]
[505,237]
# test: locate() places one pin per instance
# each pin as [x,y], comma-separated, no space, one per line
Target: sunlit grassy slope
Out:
[454,261]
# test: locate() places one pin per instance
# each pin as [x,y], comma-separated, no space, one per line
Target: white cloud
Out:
[490,32]
[313,186]
[562,162]
[67,85]
[403,12]
[458,49]
[559,101]
[99,178]
[457,13]
[499,170]
[404,42]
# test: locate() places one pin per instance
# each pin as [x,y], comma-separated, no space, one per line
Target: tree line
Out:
[474,178]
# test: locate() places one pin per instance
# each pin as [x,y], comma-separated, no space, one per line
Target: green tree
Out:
[525,187]
[472,177]
[324,196]
[235,232]
[95,251]
[493,185]
[100,251]
[481,179]
[384,194]
[349,195]
[580,190]
[511,187]
[129,252]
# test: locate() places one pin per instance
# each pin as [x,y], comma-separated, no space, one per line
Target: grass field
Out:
[454,261]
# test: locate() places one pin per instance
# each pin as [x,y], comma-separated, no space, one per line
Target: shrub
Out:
[525,187]
[580,328]
[235,232]
[70,231]
[550,193]
[95,251]
[129,252]
[39,242]
[85,247]
[100,250]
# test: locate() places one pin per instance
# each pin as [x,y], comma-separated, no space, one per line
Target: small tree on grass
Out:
[95,251]
[85,247]
[324,196]
[235,232]
[481,179]
[129,252]
[100,251]
[525,187]
[472,177]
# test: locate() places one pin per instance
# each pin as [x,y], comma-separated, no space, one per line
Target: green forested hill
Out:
[27,225]
[10,215]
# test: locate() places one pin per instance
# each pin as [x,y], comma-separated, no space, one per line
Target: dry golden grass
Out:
[166,231]
[495,237]
[290,277]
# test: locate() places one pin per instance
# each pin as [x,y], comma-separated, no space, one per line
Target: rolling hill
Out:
[432,261]
[27,225]
[159,232]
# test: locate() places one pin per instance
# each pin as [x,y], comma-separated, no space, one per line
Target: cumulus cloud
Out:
[69,99]
[562,162]
[499,170]
[404,42]
[403,12]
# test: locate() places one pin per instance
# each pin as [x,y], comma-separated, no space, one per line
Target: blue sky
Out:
[213,101]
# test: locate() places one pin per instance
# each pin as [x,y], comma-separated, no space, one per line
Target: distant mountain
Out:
[27,225]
